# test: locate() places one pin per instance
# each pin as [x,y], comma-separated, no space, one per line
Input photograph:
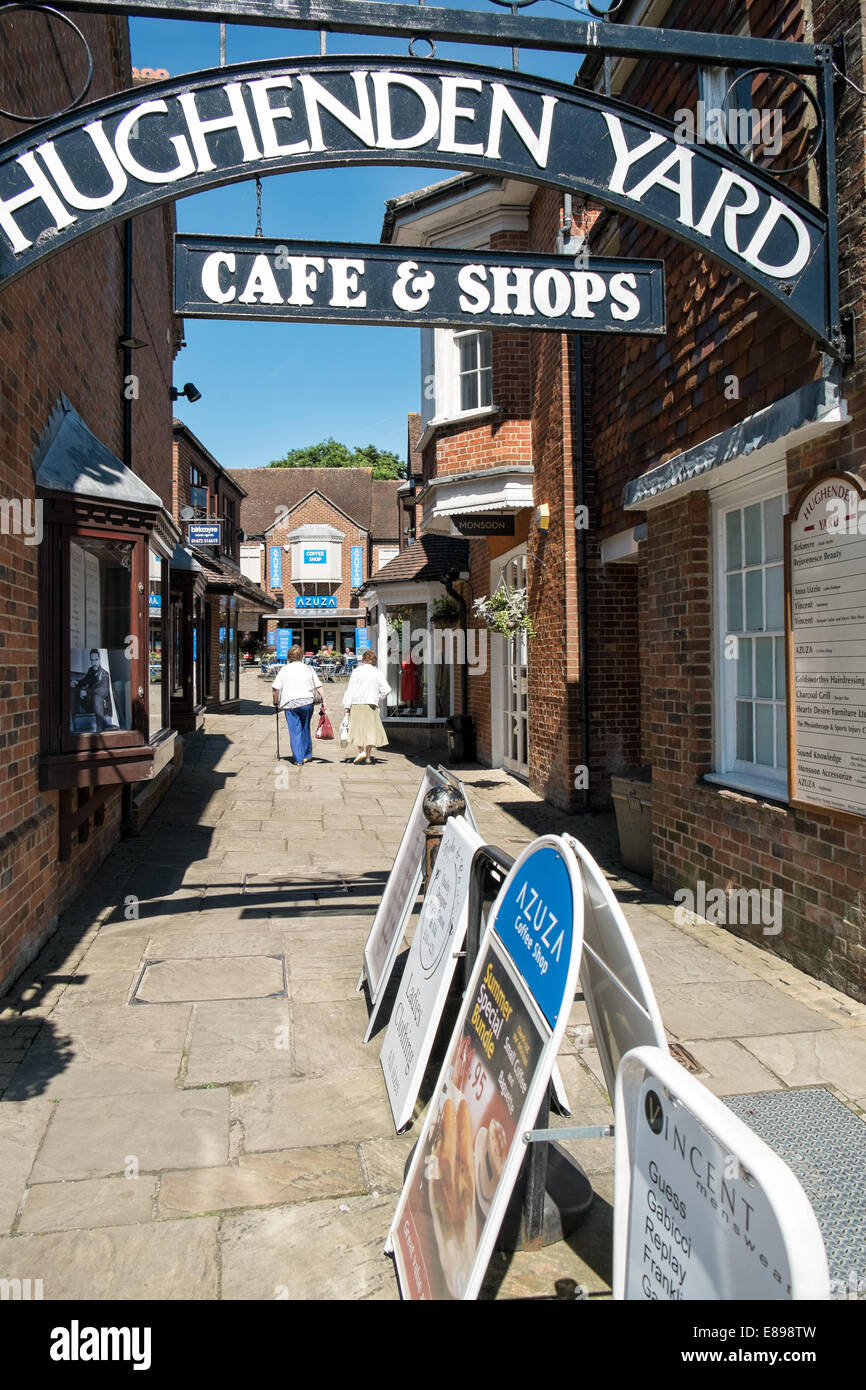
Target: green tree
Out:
[330,453]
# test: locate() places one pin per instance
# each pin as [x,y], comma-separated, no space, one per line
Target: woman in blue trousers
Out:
[295,692]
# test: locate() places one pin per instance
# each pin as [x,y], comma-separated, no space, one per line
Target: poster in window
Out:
[77,581]
[92,704]
[92,605]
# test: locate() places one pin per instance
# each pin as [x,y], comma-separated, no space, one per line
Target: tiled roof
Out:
[384,523]
[371,505]
[430,557]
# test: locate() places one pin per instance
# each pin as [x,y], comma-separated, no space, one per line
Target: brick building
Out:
[689,451]
[215,601]
[86,741]
[312,537]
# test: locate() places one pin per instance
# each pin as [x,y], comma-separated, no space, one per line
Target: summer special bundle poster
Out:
[458,1163]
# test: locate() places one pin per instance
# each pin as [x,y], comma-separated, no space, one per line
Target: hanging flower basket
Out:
[506,611]
[446,612]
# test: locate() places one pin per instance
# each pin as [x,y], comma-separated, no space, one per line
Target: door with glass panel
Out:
[514,710]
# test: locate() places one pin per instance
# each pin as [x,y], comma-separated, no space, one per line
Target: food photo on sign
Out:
[459,1161]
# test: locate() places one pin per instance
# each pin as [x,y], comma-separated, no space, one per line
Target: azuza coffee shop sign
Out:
[108,160]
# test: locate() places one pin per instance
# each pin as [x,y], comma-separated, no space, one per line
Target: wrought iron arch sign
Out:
[71,176]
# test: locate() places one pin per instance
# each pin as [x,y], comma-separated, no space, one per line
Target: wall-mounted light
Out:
[191,392]
[127,342]
[542,517]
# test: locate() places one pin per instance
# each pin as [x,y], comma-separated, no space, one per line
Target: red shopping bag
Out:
[324,730]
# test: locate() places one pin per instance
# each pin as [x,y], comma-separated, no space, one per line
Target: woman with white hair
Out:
[367,686]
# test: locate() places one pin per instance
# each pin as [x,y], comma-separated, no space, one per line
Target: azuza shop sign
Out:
[108,160]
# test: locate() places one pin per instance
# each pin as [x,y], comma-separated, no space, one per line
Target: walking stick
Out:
[277,713]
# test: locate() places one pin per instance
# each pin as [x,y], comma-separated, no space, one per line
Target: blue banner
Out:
[357,566]
[362,639]
[275,563]
[284,641]
[535,924]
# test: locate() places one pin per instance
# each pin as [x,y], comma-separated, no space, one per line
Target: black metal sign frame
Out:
[329,282]
[108,160]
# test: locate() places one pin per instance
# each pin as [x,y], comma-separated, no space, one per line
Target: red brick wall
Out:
[317,511]
[59,326]
[650,400]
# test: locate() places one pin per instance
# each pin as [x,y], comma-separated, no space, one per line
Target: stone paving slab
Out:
[265,1179]
[815,1059]
[726,1010]
[318,1251]
[729,1068]
[89,1139]
[95,1202]
[311,1111]
[22,1127]
[231,977]
[242,1040]
[162,1260]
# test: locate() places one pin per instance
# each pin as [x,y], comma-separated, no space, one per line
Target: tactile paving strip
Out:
[824,1143]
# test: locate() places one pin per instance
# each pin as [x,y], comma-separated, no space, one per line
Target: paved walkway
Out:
[189,1111]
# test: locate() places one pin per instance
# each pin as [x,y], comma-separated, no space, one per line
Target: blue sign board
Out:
[316,601]
[315,557]
[284,641]
[535,922]
[357,566]
[275,566]
[362,639]
[155,605]
[204,533]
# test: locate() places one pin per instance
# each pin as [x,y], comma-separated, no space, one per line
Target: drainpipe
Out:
[580,487]
[126,371]
[127,333]
[448,583]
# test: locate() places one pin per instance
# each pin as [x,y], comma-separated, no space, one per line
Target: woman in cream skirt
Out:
[365,689]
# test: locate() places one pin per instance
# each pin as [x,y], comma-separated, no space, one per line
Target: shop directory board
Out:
[703,1208]
[429,970]
[826,565]
[497,1068]
[400,895]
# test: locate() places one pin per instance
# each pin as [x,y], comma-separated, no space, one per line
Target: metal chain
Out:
[259,231]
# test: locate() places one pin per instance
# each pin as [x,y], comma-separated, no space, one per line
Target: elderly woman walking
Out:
[295,692]
[366,688]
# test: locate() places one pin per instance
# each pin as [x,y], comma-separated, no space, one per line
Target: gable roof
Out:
[371,505]
[430,557]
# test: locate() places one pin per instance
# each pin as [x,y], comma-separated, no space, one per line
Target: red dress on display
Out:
[410,685]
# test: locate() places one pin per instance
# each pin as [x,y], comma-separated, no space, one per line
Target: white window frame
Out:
[754,778]
[445,406]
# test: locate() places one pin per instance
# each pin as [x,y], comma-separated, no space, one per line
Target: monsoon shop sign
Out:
[251,278]
[108,160]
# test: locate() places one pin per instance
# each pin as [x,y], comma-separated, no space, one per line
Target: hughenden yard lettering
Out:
[72,175]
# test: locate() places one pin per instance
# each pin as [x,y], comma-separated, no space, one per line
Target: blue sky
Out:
[267,388]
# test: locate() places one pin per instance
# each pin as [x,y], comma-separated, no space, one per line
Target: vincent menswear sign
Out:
[253,278]
[110,159]
[703,1208]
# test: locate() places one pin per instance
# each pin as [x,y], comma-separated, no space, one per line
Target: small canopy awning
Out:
[70,458]
[745,448]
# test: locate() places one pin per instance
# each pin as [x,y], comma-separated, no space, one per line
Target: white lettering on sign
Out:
[543,921]
[675,173]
